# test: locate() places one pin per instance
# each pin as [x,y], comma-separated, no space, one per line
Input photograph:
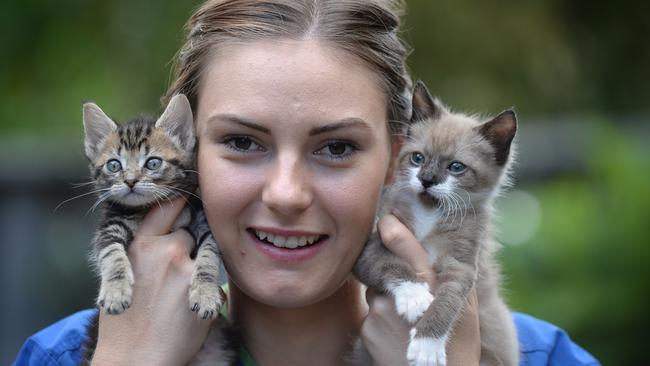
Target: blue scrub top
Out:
[541,344]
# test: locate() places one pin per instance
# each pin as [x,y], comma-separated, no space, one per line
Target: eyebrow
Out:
[344,123]
[225,117]
[351,122]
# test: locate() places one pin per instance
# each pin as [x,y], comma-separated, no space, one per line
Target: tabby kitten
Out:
[135,166]
[450,168]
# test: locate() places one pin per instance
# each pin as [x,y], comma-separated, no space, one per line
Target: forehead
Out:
[297,81]
[451,134]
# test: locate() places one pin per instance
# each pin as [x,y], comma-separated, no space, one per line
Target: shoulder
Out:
[543,343]
[58,344]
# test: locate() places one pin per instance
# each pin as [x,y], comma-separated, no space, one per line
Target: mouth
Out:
[287,240]
[428,199]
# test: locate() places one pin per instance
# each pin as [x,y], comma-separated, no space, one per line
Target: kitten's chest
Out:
[423,220]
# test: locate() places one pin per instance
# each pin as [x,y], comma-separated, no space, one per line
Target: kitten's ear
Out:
[97,126]
[424,106]
[178,122]
[500,131]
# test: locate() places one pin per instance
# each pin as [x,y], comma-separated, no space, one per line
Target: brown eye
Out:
[242,143]
[337,148]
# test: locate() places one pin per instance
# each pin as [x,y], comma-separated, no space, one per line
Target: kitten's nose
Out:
[429,181]
[130,182]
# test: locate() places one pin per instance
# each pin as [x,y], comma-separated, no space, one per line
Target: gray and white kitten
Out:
[451,166]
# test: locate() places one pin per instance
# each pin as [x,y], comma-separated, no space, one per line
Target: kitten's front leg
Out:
[380,269]
[430,335]
[205,296]
[116,289]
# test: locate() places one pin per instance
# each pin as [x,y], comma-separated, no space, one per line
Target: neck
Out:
[318,334]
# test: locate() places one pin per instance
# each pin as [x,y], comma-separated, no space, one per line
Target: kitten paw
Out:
[115,297]
[426,351]
[205,299]
[412,299]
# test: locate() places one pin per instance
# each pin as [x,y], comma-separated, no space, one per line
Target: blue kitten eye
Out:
[113,166]
[153,163]
[457,167]
[417,158]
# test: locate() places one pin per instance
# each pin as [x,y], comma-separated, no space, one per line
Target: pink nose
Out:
[130,182]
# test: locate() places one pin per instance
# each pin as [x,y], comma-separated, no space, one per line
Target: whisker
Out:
[181,190]
[83,184]
[103,197]
[79,196]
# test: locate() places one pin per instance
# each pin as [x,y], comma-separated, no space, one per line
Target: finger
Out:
[370,295]
[160,220]
[183,238]
[401,242]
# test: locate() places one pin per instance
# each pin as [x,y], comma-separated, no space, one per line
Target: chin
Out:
[289,294]
[135,200]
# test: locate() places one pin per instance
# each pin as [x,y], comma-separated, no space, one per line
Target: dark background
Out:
[575,228]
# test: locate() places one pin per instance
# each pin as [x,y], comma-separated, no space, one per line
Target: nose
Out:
[130,182]
[428,179]
[287,189]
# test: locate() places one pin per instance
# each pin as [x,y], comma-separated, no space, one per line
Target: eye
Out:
[417,158]
[337,150]
[113,166]
[242,143]
[457,167]
[153,163]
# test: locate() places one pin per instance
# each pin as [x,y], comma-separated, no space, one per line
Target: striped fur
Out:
[135,166]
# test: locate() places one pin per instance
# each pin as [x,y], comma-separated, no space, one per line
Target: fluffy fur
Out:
[135,166]
[451,166]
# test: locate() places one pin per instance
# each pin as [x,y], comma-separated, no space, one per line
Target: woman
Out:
[297,105]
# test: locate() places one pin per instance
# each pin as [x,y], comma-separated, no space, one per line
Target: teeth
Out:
[279,241]
[286,242]
[292,242]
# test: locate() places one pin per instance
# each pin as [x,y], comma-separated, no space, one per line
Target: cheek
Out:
[224,191]
[352,198]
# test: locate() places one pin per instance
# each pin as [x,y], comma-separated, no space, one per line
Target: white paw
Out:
[412,299]
[205,299]
[426,351]
[115,296]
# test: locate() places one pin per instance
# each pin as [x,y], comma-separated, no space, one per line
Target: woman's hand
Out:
[386,334]
[158,328]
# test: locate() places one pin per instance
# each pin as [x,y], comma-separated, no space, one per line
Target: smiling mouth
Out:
[288,242]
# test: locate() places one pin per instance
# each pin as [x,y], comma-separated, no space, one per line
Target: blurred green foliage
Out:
[585,268]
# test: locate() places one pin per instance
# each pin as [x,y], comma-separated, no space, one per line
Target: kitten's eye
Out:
[417,158]
[113,166]
[457,167]
[153,163]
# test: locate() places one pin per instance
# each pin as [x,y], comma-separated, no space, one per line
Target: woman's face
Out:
[293,153]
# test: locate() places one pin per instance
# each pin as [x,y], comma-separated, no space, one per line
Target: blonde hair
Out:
[364,28]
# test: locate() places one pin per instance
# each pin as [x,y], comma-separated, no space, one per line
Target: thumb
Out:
[400,241]
[160,220]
